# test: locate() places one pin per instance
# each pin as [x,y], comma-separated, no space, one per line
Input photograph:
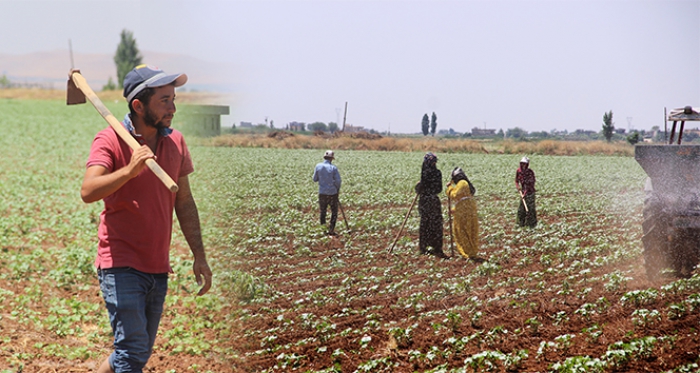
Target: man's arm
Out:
[338,181]
[99,183]
[188,216]
[315,177]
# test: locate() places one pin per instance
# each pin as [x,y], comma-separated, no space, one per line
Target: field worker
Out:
[429,207]
[465,227]
[328,178]
[135,226]
[525,183]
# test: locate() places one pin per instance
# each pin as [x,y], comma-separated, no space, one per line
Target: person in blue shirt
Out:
[328,178]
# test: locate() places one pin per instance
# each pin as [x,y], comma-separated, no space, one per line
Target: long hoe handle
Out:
[404,223]
[449,215]
[347,226]
[82,85]
[522,198]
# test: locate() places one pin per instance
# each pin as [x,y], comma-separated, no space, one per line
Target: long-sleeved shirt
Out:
[526,178]
[328,178]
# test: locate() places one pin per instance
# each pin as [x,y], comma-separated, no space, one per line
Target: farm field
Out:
[570,295]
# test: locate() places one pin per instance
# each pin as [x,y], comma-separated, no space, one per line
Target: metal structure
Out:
[671,212]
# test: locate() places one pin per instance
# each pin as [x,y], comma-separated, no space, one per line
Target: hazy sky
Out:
[537,65]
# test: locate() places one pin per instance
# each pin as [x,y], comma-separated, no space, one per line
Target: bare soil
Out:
[290,273]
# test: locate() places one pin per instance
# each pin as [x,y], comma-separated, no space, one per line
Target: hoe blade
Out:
[73,94]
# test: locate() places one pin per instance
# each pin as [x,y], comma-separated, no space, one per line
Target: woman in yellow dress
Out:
[465,226]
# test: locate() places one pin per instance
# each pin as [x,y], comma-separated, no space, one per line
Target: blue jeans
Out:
[134,301]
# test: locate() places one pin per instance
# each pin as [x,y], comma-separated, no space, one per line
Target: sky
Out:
[537,65]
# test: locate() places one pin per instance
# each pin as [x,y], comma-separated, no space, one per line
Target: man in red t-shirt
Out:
[135,229]
[525,183]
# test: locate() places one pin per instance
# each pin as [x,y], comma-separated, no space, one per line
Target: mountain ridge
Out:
[51,68]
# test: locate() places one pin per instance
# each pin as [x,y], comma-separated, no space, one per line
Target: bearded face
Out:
[151,119]
[159,111]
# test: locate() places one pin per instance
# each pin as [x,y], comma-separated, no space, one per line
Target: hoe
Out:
[78,90]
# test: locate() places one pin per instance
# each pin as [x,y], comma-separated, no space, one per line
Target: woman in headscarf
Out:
[429,207]
[465,227]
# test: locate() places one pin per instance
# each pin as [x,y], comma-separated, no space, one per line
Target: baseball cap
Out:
[144,76]
[329,154]
[525,160]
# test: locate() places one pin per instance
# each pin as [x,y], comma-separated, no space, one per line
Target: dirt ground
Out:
[301,276]
[294,274]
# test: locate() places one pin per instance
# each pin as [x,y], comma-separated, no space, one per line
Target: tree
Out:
[425,125]
[127,56]
[433,123]
[516,133]
[110,86]
[4,82]
[332,126]
[318,126]
[633,138]
[608,125]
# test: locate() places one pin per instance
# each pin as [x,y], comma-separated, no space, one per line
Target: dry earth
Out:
[301,275]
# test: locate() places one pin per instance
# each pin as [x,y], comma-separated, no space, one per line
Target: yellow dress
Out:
[465,223]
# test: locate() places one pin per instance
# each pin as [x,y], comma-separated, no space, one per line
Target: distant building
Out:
[351,128]
[246,125]
[694,132]
[201,120]
[296,126]
[476,131]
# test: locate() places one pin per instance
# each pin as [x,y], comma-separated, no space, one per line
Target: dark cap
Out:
[144,76]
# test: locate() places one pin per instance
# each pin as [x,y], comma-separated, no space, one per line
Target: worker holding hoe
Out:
[135,226]
[525,183]
[328,178]
[430,208]
[465,228]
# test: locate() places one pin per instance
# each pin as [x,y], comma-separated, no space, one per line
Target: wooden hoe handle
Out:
[81,84]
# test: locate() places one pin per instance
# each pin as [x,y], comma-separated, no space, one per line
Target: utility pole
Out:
[345,115]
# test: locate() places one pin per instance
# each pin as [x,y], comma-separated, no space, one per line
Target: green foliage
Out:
[318,126]
[633,138]
[433,123]
[425,125]
[579,364]
[5,82]
[110,86]
[516,133]
[608,125]
[277,275]
[332,127]
[127,56]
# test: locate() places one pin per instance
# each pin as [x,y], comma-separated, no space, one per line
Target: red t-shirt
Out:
[136,225]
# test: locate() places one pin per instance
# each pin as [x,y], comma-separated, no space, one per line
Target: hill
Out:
[50,69]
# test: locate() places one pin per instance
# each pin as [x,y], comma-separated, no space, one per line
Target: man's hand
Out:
[138,160]
[201,269]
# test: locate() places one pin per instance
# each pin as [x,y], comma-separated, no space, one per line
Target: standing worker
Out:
[135,228]
[429,207]
[466,224]
[328,178]
[525,183]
